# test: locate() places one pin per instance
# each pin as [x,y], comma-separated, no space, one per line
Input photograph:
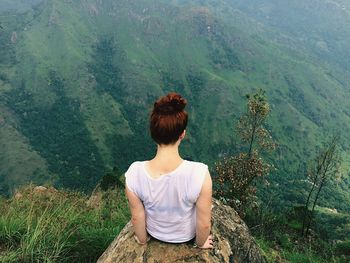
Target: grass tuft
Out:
[59,226]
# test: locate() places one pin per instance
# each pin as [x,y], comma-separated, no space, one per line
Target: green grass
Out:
[294,253]
[279,235]
[59,226]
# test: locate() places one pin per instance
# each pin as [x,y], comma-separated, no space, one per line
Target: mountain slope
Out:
[77,80]
[322,27]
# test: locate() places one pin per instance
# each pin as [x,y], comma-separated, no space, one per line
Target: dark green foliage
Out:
[321,170]
[127,149]
[59,134]
[110,180]
[279,237]
[7,49]
[299,212]
[196,83]
[332,225]
[343,248]
[105,67]
[297,96]
[222,50]
[131,52]
[171,84]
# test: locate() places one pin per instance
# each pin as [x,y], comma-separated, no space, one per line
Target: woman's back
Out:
[169,200]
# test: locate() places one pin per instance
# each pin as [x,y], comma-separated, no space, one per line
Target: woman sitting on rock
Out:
[170,198]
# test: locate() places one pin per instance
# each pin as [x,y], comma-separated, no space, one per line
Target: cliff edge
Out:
[233,243]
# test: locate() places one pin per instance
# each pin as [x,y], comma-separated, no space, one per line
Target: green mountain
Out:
[78,78]
[321,27]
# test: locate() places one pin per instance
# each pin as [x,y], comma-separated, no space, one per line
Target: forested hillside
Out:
[77,80]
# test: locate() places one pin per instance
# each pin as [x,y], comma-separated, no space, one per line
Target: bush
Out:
[110,181]
[343,248]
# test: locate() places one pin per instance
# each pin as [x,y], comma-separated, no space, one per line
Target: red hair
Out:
[168,118]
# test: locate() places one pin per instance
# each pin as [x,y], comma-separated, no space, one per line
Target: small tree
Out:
[250,126]
[236,174]
[321,170]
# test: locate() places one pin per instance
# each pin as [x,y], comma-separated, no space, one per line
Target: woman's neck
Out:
[166,160]
[168,153]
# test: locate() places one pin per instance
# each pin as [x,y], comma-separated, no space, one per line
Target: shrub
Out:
[343,248]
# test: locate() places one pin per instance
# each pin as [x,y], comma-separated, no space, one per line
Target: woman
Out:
[170,198]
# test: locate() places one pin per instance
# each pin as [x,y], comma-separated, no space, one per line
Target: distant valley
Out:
[78,78]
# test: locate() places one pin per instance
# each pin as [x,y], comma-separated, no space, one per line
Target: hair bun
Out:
[170,104]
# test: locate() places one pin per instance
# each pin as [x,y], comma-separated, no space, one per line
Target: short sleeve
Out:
[198,175]
[130,180]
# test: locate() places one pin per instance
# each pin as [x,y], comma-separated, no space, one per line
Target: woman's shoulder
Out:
[197,167]
[196,164]
[136,165]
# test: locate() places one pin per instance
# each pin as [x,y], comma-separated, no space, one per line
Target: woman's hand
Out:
[208,243]
[138,241]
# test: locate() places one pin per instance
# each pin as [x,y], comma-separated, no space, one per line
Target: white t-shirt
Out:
[169,200]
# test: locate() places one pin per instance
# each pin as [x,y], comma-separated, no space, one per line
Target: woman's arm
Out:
[138,217]
[203,214]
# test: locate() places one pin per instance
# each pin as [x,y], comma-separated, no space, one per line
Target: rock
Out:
[95,200]
[233,243]
[14,37]
[54,17]
[18,196]
[93,10]
[52,189]
[40,189]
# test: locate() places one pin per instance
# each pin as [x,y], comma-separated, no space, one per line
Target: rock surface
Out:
[233,243]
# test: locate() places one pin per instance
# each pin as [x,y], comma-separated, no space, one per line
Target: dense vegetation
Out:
[46,225]
[279,235]
[112,59]
[40,224]
[77,79]
[302,233]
